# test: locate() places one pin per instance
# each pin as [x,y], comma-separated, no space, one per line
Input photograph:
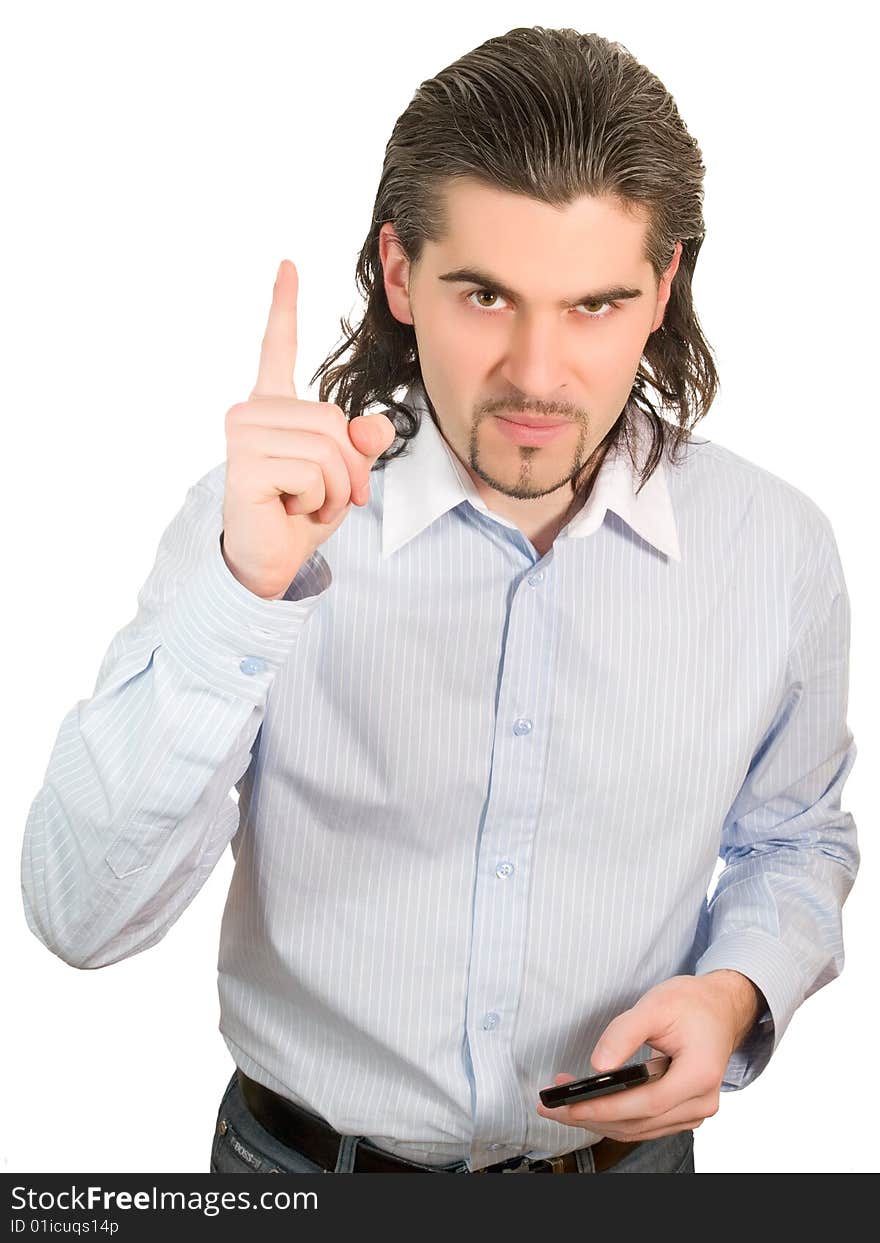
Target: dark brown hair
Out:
[553,114]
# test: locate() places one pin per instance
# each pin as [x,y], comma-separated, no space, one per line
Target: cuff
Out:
[234,640]
[769,965]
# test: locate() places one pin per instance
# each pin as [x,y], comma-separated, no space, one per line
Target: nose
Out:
[534,362]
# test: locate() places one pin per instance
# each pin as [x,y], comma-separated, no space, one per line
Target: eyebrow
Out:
[616,293]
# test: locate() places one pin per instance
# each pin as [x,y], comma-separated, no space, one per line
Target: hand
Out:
[698,1021]
[293,468]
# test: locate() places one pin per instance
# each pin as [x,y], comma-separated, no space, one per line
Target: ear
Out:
[396,272]
[664,289]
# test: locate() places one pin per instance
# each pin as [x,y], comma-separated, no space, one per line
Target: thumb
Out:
[621,1038]
[371,434]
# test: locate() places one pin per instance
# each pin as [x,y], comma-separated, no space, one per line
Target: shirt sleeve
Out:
[135,807]
[789,851]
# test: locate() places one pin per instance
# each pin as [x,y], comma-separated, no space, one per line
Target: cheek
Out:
[443,334]
[449,336]
[615,356]
[440,338]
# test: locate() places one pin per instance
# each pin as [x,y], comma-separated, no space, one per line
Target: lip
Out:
[531,432]
[527,420]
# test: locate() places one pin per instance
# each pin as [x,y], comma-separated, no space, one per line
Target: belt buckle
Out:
[515,1165]
[557,1164]
[526,1165]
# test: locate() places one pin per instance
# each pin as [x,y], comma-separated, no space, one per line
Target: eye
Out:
[490,293]
[612,306]
[481,293]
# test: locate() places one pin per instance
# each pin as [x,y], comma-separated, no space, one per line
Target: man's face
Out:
[486,354]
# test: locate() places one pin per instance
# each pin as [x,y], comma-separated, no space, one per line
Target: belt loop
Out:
[347,1152]
[586,1162]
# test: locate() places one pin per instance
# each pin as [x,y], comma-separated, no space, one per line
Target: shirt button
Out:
[504,869]
[490,1021]
[252,664]
[536,578]
[263,632]
[522,726]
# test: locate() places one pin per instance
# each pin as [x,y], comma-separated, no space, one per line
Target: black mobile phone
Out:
[601,1085]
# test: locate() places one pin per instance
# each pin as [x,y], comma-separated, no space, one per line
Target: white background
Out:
[159,161]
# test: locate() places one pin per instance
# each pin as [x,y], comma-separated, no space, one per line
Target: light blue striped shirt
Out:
[483,792]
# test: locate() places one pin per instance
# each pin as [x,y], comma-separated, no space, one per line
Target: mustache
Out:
[545,409]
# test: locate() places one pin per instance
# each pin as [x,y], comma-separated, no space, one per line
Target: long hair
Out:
[555,115]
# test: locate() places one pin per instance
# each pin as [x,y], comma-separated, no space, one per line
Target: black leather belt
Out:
[317,1140]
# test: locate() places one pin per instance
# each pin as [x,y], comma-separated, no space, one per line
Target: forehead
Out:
[512,233]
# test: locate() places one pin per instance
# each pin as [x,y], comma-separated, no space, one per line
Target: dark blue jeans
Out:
[242,1146]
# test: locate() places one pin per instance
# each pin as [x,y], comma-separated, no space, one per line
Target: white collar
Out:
[428,480]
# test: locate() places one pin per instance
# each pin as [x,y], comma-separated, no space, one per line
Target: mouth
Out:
[529,431]
[527,420]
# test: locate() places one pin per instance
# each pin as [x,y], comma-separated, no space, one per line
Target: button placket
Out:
[507,839]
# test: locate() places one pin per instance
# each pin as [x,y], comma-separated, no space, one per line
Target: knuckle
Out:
[324,460]
[333,412]
[326,449]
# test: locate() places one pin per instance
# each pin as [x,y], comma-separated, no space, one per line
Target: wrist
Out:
[743,998]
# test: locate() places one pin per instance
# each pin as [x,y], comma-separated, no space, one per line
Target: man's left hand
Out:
[698,1021]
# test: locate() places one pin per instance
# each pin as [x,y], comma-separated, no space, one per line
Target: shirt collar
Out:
[428,480]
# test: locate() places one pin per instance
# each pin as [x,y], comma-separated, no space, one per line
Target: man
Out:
[492,727]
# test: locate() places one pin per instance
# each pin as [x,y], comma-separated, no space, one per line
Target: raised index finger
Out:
[278,352]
